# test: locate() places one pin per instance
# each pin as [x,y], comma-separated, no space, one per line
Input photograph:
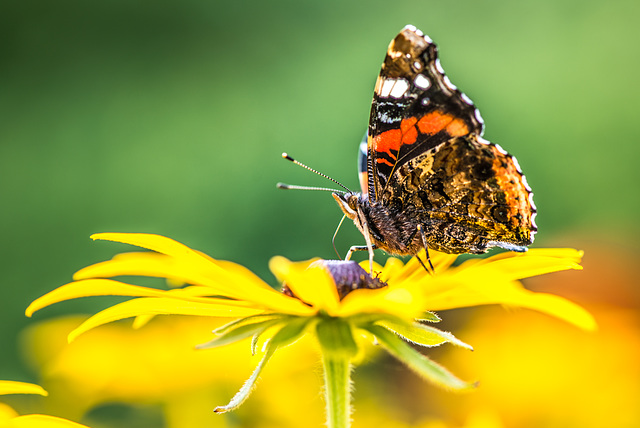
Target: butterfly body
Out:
[428,177]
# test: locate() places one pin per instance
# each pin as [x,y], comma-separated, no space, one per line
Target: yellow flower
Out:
[9,419]
[158,366]
[319,299]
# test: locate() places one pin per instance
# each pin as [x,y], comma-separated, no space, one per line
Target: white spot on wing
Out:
[515,162]
[483,141]
[448,83]
[439,66]
[417,65]
[385,118]
[387,85]
[479,117]
[466,99]
[421,81]
[500,149]
[399,88]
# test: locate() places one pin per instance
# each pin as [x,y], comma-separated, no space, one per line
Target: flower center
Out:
[347,276]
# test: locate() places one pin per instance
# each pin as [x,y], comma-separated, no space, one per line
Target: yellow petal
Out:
[399,301]
[523,265]
[396,272]
[89,287]
[152,242]
[108,287]
[556,306]
[42,421]
[162,306]
[280,266]
[161,265]
[311,284]
[225,278]
[11,387]
[484,291]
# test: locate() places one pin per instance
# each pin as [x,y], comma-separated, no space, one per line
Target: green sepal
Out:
[429,316]
[241,329]
[336,337]
[423,366]
[285,336]
[247,320]
[421,334]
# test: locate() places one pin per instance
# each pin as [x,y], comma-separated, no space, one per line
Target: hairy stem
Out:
[337,372]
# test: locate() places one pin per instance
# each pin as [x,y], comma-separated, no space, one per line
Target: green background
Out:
[170,118]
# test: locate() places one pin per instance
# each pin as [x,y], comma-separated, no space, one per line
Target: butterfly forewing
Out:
[428,165]
[415,107]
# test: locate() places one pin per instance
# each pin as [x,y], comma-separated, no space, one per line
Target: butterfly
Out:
[429,180]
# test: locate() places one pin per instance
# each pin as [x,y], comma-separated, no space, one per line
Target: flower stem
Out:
[337,372]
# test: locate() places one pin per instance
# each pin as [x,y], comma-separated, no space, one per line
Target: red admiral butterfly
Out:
[428,178]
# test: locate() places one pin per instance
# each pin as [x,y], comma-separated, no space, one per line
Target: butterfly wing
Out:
[415,108]
[427,160]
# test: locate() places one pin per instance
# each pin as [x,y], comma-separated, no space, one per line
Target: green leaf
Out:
[423,366]
[336,338]
[243,331]
[244,392]
[286,335]
[421,334]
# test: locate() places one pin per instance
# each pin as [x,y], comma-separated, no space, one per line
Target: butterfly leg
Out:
[358,248]
[426,249]
[363,248]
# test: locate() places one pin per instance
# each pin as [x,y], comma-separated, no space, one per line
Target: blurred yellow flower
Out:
[10,419]
[337,301]
[159,366]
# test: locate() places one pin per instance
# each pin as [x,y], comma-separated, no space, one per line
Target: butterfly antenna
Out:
[286,186]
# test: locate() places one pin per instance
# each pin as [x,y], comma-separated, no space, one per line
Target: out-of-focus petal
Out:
[42,421]
[13,387]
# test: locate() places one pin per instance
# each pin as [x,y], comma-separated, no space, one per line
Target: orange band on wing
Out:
[457,128]
[436,121]
[394,138]
[390,141]
[383,160]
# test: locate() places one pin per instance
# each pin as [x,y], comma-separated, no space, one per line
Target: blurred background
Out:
[170,118]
